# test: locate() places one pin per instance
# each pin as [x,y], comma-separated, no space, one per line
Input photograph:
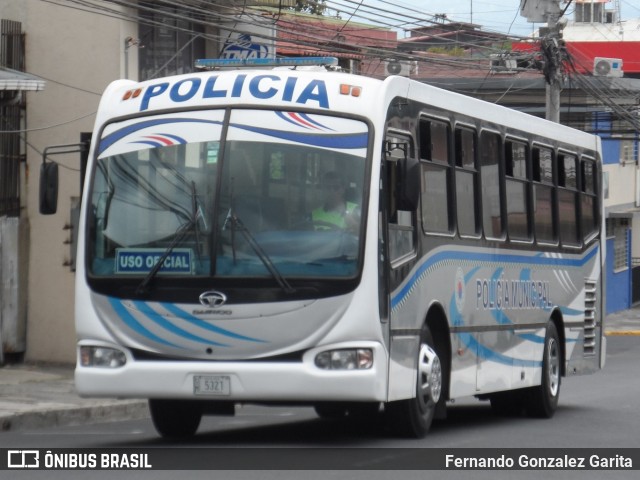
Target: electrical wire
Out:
[39,129]
[181,16]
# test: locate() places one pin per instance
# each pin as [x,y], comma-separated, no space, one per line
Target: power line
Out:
[37,129]
[392,15]
[213,19]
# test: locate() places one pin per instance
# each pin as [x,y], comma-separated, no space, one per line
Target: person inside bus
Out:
[336,211]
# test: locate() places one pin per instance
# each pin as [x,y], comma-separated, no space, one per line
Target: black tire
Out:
[542,401]
[175,418]
[413,417]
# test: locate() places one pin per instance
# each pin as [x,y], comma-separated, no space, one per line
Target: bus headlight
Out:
[101,357]
[345,359]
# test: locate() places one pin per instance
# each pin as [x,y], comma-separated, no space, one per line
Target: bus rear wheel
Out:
[542,400]
[413,417]
[175,418]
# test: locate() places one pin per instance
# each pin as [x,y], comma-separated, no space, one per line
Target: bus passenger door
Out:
[401,202]
[398,232]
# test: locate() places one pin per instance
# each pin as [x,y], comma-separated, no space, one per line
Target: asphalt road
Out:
[596,411]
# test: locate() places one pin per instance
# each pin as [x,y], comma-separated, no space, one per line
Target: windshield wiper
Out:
[181,233]
[237,225]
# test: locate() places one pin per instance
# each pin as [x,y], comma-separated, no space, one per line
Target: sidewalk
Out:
[40,396]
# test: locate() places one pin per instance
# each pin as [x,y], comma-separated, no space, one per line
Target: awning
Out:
[15,80]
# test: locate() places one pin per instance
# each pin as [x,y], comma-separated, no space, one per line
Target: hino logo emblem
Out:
[213,299]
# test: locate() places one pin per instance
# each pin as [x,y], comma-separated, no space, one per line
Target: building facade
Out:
[80,53]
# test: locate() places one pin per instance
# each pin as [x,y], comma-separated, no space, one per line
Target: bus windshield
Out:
[241,193]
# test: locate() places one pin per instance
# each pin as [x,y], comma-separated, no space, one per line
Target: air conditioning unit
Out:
[607,67]
[500,63]
[404,68]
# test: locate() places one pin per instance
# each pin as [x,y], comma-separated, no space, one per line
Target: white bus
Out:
[313,237]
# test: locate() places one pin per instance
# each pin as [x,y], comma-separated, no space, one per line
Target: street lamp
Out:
[128,43]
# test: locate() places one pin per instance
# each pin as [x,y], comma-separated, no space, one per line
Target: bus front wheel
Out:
[413,417]
[175,418]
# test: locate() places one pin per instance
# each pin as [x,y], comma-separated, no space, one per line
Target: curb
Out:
[613,333]
[77,415]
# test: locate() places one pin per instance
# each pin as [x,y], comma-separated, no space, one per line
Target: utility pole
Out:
[549,11]
[552,49]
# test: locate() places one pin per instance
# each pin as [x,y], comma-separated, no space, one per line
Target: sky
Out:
[494,15]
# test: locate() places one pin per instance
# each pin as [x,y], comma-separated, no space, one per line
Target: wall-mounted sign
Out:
[243,39]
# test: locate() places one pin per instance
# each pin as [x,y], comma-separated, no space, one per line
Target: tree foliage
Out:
[315,7]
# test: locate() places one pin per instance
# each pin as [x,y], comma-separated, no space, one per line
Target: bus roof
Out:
[313,88]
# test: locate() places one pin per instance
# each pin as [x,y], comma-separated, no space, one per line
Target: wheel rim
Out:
[429,378]
[553,361]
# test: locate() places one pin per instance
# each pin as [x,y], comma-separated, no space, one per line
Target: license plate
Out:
[215,385]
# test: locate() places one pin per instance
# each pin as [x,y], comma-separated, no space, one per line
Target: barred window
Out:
[618,228]
[628,151]
[172,42]
[11,120]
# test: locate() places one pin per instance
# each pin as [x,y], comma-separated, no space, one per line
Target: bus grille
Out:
[589,318]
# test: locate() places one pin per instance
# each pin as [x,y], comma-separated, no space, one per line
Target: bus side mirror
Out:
[409,184]
[48,188]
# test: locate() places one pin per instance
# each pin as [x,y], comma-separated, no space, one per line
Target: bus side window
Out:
[568,199]
[436,176]
[467,213]
[517,186]
[589,200]
[543,203]
[491,185]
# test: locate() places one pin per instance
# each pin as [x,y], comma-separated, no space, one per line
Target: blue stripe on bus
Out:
[136,326]
[486,257]
[467,339]
[157,318]
[502,318]
[207,326]
[341,141]
[571,312]
[482,351]
[160,320]
[118,135]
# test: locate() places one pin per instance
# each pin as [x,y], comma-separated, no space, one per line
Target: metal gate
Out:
[11,104]
[635,281]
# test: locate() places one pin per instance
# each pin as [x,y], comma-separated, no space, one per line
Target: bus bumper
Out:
[244,381]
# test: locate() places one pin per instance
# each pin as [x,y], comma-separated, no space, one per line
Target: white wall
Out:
[77,53]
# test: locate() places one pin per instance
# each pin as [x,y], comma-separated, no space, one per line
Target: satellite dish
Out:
[394,68]
[602,68]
